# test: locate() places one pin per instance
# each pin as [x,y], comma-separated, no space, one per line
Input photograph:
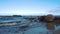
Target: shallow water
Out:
[33,27]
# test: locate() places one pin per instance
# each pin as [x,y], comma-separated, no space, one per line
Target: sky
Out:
[29,7]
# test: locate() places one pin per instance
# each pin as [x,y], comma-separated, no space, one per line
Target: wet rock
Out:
[50,26]
[57,32]
[49,18]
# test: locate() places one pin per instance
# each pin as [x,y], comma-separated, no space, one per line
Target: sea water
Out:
[34,27]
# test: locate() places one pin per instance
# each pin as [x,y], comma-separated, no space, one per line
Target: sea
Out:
[31,27]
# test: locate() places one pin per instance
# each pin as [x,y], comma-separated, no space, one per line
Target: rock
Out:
[57,32]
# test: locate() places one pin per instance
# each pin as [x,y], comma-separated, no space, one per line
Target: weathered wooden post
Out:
[50,22]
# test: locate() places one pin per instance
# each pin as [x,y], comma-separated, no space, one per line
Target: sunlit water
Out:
[34,27]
